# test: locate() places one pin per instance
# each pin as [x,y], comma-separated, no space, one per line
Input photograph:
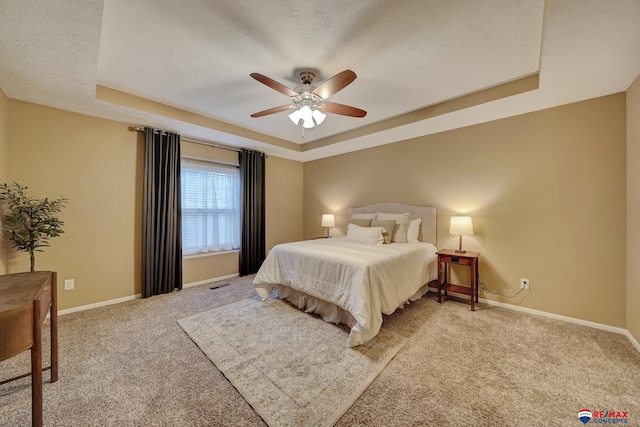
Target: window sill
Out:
[200,255]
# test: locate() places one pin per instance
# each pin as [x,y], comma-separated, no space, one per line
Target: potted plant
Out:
[29,221]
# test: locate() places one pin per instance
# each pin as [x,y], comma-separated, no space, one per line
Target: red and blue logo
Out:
[603,417]
[585,416]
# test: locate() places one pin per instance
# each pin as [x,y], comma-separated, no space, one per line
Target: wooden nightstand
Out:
[469,259]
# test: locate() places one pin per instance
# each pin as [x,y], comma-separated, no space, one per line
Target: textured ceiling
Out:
[185,66]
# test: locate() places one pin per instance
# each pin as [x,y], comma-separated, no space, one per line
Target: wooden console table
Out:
[25,300]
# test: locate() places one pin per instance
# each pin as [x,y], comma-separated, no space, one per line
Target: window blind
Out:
[210,207]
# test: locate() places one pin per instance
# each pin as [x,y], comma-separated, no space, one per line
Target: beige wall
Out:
[546,191]
[97,164]
[633,209]
[283,201]
[4,108]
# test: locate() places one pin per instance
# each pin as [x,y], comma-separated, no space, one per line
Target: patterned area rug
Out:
[292,367]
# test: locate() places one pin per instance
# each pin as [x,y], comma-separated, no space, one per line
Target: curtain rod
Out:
[195,141]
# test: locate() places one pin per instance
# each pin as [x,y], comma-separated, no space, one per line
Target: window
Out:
[210,207]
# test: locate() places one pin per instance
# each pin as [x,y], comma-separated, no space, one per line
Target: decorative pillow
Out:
[399,218]
[364,215]
[389,226]
[356,233]
[362,222]
[413,230]
[400,232]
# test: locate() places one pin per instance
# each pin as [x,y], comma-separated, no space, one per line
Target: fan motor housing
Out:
[307,77]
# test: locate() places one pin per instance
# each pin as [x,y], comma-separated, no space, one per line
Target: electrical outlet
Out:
[69,284]
[524,283]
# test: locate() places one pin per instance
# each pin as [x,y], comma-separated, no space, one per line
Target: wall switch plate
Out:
[524,283]
[69,284]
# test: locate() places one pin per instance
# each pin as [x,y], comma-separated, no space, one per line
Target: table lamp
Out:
[328,220]
[461,226]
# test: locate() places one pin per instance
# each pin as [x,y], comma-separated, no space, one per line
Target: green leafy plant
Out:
[29,221]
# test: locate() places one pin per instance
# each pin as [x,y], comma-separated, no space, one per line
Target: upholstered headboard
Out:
[427,213]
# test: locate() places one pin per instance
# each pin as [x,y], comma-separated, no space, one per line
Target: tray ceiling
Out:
[423,66]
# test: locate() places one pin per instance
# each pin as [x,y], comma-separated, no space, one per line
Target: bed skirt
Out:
[332,313]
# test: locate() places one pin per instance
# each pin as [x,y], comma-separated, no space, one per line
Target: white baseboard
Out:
[633,340]
[557,316]
[217,279]
[98,304]
[132,297]
[595,325]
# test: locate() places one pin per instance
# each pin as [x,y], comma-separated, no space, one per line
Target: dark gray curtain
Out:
[162,218]
[252,242]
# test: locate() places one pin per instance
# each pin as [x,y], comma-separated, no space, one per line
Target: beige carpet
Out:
[293,368]
[131,364]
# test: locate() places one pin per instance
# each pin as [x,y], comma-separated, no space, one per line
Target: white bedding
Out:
[363,279]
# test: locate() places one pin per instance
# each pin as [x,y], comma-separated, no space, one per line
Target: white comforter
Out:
[365,280]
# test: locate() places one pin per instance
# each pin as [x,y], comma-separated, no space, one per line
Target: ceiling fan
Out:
[308,101]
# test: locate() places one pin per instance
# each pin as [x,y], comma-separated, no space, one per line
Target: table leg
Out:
[439,281]
[36,368]
[54,327]
[477,279]
[472,278]
[445,269]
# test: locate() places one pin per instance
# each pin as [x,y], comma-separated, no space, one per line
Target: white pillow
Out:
[413,230]
[355,233]
[400,232]
[364,215]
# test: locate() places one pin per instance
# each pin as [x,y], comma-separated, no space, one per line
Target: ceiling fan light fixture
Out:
[311,117]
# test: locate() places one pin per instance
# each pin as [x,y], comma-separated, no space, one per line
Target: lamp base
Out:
[460,250]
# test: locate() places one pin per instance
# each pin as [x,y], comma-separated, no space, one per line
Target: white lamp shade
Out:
[295,117]
[318,116]
[328,220]
[461,226]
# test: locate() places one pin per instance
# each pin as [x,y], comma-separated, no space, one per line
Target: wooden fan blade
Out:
[345,110]
[271,111]
[335,84]
[273,84]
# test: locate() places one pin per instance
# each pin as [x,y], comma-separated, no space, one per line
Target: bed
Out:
[352,281]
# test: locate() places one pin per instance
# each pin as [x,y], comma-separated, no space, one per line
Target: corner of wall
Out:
[633,208]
